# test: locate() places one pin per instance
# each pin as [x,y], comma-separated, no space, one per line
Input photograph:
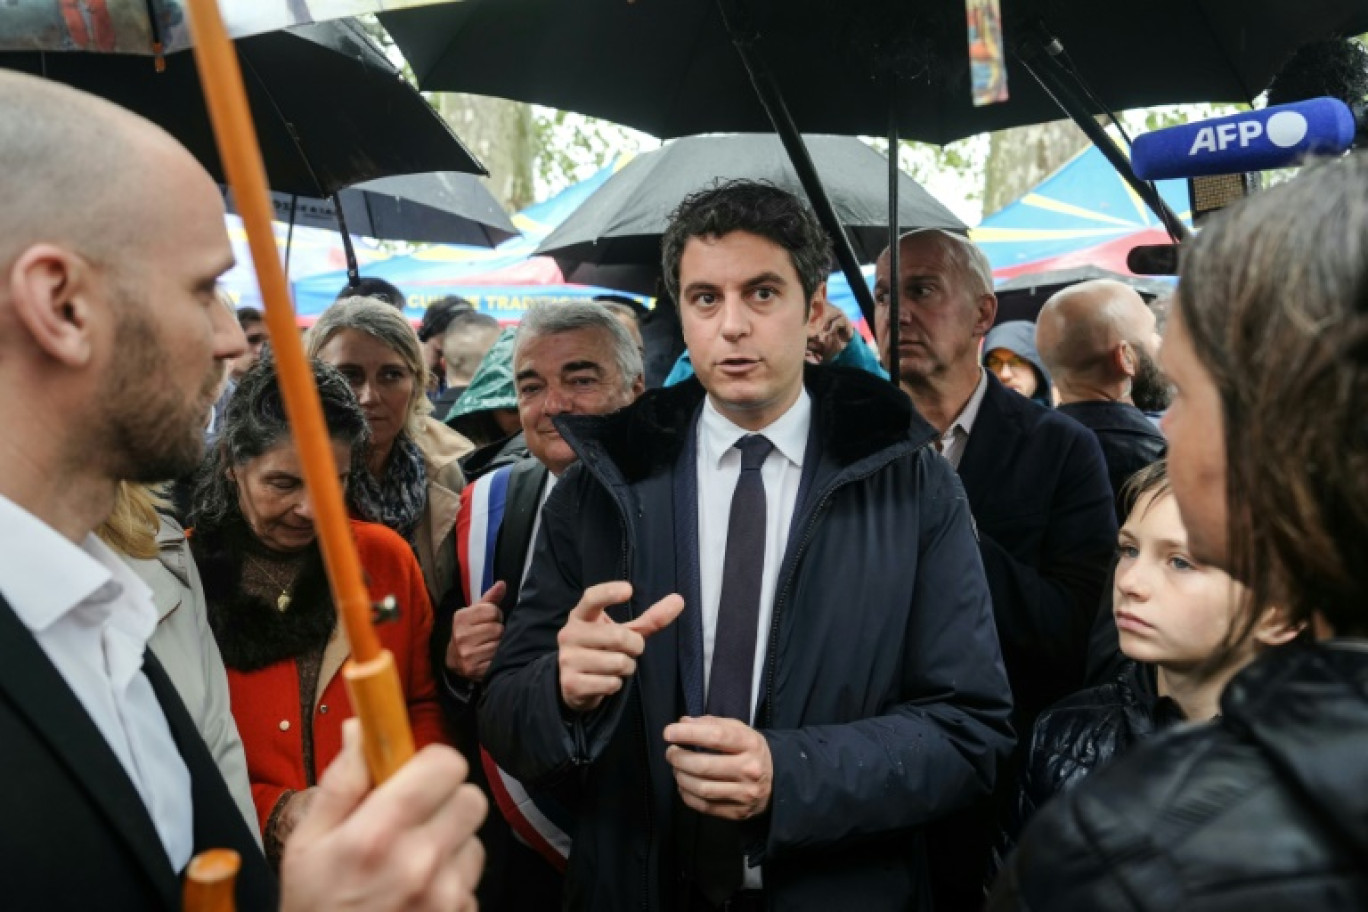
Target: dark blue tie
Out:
[718,859]
[738,610]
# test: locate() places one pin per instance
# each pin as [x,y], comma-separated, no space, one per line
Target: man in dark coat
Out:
[112,348]
[568,359]
[1036,482]
[833,681]
[1038,490]
[1098,340]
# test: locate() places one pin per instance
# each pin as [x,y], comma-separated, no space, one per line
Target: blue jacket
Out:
[885,703]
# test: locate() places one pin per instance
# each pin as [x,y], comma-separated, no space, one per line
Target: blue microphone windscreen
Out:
[1275,137]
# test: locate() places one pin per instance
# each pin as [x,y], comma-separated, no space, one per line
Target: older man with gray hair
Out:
[568,359]
[1038,490]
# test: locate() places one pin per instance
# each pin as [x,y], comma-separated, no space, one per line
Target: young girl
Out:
[1172,617]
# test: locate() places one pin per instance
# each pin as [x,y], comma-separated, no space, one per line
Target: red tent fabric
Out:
[1110,256]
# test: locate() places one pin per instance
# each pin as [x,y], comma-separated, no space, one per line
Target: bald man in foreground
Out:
[112,348]
[1099,341]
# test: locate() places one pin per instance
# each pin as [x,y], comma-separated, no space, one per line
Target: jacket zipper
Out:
[782,600]
[626,565]
[640,726]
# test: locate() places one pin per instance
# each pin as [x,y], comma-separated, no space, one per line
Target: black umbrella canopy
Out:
[330,109]
[622,222]
[438,208]
[669,68]
[1021,297]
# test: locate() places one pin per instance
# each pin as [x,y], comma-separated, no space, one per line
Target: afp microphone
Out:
[1275,137]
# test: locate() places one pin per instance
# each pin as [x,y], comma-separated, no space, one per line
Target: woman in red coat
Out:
[269,603]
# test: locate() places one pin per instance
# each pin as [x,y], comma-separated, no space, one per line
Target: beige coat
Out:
[436,535]
[185,646]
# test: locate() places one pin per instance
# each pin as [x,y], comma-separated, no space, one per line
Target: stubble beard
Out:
[151,430]
[1150,389]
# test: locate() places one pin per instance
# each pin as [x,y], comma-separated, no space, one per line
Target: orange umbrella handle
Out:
[221,78]
[210,881]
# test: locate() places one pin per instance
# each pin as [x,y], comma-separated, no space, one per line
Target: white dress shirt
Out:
[719,468]
[956,436]
[93,616]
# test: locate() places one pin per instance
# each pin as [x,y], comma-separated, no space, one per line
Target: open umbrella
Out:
[670,69]
[330,109]
[621,224]
[438,208]
[861,66]
[441,207]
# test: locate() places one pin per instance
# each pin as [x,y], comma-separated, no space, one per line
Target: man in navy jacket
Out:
[875,699]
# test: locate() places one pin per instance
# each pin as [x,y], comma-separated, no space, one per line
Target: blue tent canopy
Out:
[1083,204]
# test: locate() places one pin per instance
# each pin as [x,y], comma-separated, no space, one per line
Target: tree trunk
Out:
[1020,158]
[502,136]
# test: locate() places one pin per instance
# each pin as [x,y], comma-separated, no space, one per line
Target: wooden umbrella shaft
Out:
[221,78]
[372,679]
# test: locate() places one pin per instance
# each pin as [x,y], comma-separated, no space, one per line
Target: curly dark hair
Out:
[1274,296]
[757,207]
[255,422]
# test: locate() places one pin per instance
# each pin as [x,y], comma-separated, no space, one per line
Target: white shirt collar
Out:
[44,576]
[964,421]
[789,432]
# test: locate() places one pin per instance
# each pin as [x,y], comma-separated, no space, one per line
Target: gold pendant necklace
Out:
[283,600]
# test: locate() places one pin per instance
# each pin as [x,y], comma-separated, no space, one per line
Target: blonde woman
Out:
[154,545]
[414,481]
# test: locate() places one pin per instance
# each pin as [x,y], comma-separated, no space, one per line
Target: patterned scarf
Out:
[398,499]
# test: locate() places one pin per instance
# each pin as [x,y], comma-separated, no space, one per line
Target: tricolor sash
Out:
[538,821]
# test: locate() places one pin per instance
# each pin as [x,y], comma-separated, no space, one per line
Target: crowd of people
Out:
[1022,615]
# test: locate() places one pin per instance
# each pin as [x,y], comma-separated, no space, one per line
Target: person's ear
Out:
[53,293]
[1275,629]
[985,313]
[1124,359]
[817,308]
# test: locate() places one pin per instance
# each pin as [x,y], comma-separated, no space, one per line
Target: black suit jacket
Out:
[76,834]
[1038,488]
[525,485]
[1129,440]
[516,878]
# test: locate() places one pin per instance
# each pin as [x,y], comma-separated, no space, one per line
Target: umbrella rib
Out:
[289,127]
[1225,54]
[697,41]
